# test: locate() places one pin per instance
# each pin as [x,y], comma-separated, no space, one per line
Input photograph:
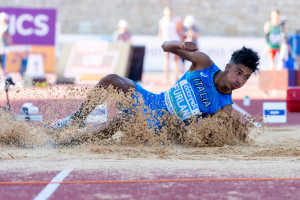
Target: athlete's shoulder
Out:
[202,60]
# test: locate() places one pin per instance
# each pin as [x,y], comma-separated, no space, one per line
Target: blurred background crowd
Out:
[51,34]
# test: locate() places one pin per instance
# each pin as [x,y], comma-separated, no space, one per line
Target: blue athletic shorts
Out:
[152,102]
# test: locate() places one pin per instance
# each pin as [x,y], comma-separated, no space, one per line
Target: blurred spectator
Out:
[295,46]
[273,32]
[122,34]
[170,28]
[190,30]
[5,38]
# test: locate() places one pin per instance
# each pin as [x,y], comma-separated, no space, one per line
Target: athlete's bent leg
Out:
[116,81]
[93,100]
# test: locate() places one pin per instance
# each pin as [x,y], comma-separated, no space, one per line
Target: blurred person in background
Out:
[5,39]
[170,28]
[295,46]
[273,32]
[191,32]
[122,33]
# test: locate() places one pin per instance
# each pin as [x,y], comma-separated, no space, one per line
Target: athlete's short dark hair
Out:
[247,57]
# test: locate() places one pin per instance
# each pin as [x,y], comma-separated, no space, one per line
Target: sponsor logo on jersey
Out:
[203,74]
[181,100]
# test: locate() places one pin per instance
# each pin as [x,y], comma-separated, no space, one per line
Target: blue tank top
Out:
[195,94]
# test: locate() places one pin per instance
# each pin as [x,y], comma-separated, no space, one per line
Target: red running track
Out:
[115,184]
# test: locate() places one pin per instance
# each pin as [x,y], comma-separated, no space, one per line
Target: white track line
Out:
[54,184]
[244,112]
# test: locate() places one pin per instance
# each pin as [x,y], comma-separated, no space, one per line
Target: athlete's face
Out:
[237,75]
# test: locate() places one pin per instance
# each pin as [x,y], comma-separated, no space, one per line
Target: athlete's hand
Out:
[189,46]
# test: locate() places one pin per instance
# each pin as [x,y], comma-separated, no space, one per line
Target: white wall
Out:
[218,48]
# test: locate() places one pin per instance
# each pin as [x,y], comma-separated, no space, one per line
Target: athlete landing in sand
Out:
[203,89]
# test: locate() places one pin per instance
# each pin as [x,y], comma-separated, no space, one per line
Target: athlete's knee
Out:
[110,79]
[118,82]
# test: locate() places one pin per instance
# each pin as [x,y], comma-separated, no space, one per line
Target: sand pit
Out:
[281,143]
[219,137]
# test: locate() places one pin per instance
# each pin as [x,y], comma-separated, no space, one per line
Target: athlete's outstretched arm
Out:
[188,51]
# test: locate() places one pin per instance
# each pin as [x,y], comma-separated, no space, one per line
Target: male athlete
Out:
[203,89]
